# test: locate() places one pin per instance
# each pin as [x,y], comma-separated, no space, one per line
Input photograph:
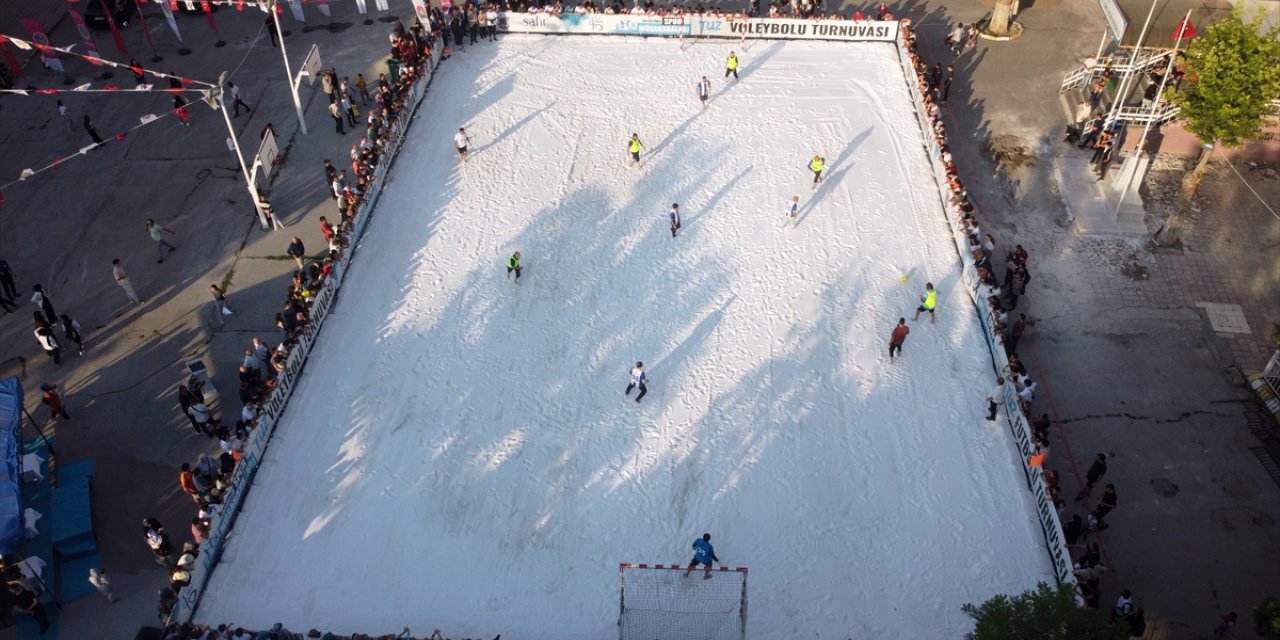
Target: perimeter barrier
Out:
[1054,540]
[260,437]
[686,26]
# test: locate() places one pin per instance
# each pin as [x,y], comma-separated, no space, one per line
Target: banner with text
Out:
[699,26]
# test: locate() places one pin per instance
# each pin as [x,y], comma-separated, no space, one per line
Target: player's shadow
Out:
[843,161]
[758,62]
[514,128]
[718,196]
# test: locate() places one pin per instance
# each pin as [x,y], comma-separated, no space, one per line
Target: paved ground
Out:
[1127,366]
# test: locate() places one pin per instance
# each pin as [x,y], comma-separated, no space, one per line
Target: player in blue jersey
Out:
[704,554]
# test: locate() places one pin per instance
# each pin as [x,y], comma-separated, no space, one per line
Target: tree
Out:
[1266,619]
[1043,613]
[1001,16]
[1232,81]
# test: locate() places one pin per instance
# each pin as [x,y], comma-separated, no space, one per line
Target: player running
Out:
[674,216]
[638,379]
[704,91]
[793,209]
[928,302]
[513,266]
[633,147]
[816,165]
[703,554]
[460,141]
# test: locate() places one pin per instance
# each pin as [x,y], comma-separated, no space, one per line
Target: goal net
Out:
[659,603]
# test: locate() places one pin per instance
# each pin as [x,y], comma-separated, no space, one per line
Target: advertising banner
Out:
[699,26]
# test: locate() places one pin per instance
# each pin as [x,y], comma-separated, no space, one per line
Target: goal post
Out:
[658,601]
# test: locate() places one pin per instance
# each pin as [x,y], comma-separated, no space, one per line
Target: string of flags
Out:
[48,50]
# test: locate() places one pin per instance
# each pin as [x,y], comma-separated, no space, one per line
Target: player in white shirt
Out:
[704,91]
[461,141]
[793,209]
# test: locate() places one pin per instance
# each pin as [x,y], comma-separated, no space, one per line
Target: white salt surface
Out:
[459,453]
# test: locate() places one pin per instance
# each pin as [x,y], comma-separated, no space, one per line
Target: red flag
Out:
[11,61]
[208,14]
[120,136]
[146,32]
[1185,30]
[89,46]
[115,32]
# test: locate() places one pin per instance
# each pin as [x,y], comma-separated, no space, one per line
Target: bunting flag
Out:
[323,6]
[146,31]
[296,8]
[48,56]
[115,31]
[89,46]
[10,60]
[361,8]
[382,5]
[167,8]
[208,15]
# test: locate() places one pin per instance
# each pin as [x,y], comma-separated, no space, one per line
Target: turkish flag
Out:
[1185,30]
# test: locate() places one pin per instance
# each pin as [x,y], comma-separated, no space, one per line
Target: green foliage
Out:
[1231,80]
[1266,618]
[1043,613]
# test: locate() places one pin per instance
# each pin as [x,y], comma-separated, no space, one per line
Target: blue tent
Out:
[12,533]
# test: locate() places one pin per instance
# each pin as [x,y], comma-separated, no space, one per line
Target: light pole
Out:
[235,141]
[293,84]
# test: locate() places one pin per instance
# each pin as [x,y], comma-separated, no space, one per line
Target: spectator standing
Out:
[44,335]
[158,541]
[946,82]
[994,398]
[7,282]
[122,279]
[297,251]
[897,337]
[41,299]
[220,302]
[98,578]
[201,418]
[156,231]
[363,88]
[1225,624]
[335,112]
[185,400]
[1015,333]
[91,130]
[71,329]
[674,217]
[49,397]
[236,99]
[187,481]
[65,115]
[28,603]
[1105,506]
[1095,473]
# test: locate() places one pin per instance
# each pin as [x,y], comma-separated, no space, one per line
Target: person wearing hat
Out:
[49,396]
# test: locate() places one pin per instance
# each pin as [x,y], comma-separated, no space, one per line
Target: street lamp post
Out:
[235,141]
[293,84]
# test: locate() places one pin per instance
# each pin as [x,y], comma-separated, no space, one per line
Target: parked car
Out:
[121,12]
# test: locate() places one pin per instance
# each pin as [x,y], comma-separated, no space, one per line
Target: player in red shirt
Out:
[898,336]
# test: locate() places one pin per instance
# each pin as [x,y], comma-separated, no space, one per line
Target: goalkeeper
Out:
[703,554]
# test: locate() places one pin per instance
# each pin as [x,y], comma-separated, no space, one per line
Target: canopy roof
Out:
[1164,22]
